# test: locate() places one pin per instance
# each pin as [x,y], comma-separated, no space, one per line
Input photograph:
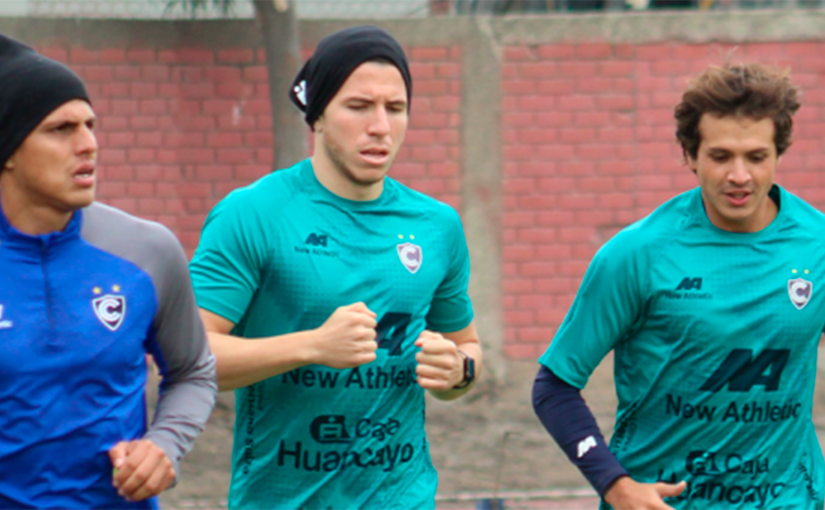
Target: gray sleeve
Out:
[178,342]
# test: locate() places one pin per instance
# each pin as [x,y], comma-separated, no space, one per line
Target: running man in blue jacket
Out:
[86,291]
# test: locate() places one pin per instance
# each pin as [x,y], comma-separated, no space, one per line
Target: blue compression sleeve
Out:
[565,415]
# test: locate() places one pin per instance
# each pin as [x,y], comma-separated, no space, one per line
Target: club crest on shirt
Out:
[411,256]
[110,310]
[800,291]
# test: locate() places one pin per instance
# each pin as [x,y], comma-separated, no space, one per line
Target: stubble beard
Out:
[347,172]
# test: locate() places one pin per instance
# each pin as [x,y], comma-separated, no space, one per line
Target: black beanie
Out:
[31,87]
[335,58]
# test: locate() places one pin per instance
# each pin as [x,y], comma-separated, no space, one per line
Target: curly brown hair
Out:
[754,91]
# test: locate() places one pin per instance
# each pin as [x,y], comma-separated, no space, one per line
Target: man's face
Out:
[54,167]
[735,166]
[364,124]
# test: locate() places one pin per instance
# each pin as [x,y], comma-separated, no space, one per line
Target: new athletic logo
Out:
[411,256]
[689,283]
[800,290]
[317,240]
[110,310]
[741,372]
[585,445]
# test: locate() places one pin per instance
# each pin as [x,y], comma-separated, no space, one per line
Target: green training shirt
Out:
[280,256]
[715,337]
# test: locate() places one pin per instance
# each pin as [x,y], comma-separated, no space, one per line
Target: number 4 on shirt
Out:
[392,331]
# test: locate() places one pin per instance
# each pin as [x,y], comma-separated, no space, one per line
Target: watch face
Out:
[469,369]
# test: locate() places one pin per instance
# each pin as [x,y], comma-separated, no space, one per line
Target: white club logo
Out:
[800,291]
[411,256]
[300,91]
[111,310]
[4,324]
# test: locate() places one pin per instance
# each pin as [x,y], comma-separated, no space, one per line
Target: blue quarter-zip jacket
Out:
[79,311]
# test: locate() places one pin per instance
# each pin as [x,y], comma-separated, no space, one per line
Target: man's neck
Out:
[334,180]
[31,218]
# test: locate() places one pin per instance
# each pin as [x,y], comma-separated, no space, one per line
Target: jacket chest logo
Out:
[110,309]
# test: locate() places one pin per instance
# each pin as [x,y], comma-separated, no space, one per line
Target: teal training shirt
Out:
[715,337]
[280,256]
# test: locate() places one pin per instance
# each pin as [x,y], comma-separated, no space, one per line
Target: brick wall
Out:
[587,144]
[588,136]
[181,127]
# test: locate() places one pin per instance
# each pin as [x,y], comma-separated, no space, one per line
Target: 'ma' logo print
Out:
[689,283]
[741,372]
[317,240]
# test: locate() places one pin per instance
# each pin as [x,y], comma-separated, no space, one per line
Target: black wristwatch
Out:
[469,371]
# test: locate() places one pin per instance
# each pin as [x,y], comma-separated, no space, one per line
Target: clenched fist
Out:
[347,338]
[440,366]
[142,469]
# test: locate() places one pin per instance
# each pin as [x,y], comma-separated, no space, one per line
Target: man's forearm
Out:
[243,361]
[570,422]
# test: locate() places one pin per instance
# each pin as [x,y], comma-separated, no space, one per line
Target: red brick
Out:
[516,87]
[556,51]
[241,156]
[537,70]
[422,53]
[554,119]
[518,317]
[115,90]
[112,56]
[577,103]
[577,69]
[518,53]
[520,351]
[536,335]
[555,218]
[594,50]
[140,56]
[95,73]
[556,251]
[83,56]
[143,90]
[156,73]
[448,70]
[537,235]
[654,52]
[236,56]
[616,68]
[518,219]
[558,87]
[538,136]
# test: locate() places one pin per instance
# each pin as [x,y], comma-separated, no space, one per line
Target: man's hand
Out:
[142,469]
[627,494]
[440,366]
[347,338]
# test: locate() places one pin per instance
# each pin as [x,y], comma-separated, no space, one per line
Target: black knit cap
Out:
[335,58]
[31,87]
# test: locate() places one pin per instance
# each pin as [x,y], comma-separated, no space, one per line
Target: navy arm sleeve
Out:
[565,415]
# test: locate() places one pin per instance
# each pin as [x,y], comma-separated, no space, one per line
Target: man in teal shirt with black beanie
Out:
[334,296]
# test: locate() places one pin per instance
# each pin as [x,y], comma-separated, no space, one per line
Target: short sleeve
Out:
[451,308]
[608,306]
[231,258]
